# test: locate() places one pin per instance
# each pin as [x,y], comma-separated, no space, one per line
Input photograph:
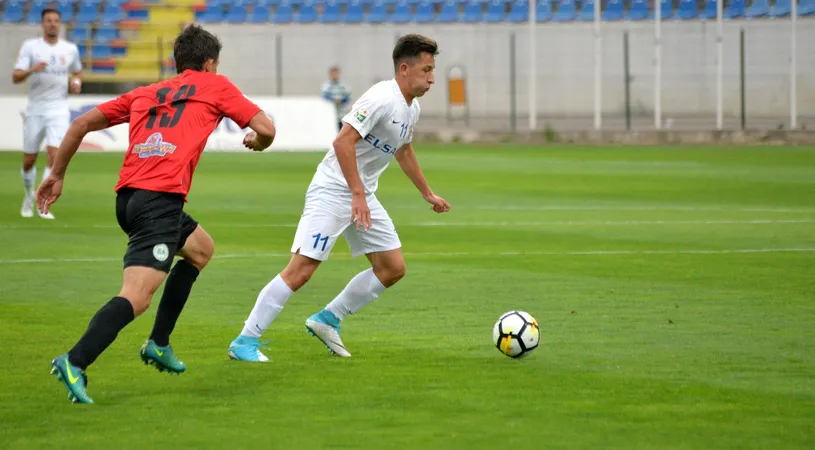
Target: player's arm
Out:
[345,147]
[263,132]
[77,77]
[23,67]
[406,157]
[51,187]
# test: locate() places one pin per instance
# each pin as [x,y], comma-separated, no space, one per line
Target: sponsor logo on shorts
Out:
[155,146]
[161,252]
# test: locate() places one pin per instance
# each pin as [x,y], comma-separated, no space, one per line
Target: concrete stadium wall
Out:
[564,64]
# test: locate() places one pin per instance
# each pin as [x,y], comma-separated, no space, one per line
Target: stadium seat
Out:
[519,12]
[13,12]
[66,10]
[331,13]
[111,13]
[88,13]
[401,13]
[566,11]
[782,8]
[284,13]
[586,13]
[496,12]
[473,13]
[638,10]
[213,14]
[543,12]
[666,10]
[35,12]
[709,10]
[806,8]
[101,51]
[687,9]
[378,13]
[105,35]
[79,34]
[614,10]
[759,8]
[307,14]
[354,13]
[424,12]
[448,13]
[734,9]
[259,14]
[83,51]
[236,14]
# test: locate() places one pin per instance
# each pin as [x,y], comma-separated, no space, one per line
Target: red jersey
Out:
[170,123]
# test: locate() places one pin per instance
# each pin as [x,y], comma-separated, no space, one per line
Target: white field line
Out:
[453,254]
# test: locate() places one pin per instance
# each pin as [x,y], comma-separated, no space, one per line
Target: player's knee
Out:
[392,273]
[202,253]
[139,300]
[297,277]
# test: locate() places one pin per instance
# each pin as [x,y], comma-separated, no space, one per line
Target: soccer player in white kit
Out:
[46,62]
[341,200]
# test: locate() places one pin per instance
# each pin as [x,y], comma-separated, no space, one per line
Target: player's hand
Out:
[48,193]
[249,141]
[360,213]
[437,203]
[76,85]
[39,67]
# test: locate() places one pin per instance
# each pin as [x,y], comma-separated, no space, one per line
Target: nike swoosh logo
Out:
[338,345]
[159,352]
[71,378]
[393,121]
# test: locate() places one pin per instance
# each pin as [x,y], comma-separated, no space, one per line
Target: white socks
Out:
[268,305]
[361,290]
[29,178]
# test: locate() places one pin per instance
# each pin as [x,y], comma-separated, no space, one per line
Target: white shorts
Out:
[51,127]
[327,215]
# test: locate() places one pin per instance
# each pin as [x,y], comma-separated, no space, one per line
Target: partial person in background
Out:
[47,62]
[336,92]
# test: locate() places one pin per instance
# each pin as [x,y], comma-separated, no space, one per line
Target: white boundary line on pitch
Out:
[417,254]
[475,224]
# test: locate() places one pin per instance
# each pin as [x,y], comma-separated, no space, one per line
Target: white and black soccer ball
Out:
[516,334]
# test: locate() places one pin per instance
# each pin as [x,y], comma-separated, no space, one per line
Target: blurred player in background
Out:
[169,125]
[336,92]
[47,62]
[341,200]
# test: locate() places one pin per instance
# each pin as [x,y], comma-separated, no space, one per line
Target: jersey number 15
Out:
[176,107]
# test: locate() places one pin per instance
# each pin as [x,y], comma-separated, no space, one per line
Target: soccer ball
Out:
[516,334]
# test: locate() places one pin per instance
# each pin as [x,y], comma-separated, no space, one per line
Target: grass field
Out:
[675,290]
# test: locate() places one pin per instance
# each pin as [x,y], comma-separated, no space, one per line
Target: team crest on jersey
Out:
[62,59]
[155,146]
[361,115]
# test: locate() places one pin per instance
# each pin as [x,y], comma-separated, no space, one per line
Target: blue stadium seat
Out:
[782,8]
[566,11]
[586,11]
[519,12]
[88,13]
[111,13]
[806,8]
[709,10]
[260,14]
[213,14]
[448,13]
[105,35]
[638,10]
[66,10]
[424,12]
[473,13]
[666,10]
[354,13]
[79,34]
[543,12]
[331,13]
[734,9]
[13,12]
[687,9]
[284,13]
[759,8]
[236,14]
[83,50]
[496,12]
[378,12]
[614,10]
[307,14]
[401,13]
[35,12]
[101,52]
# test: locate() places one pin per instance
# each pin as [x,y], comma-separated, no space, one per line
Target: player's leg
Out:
[55,128]
[382,247]
[33,132]
[317,232]
[196,251]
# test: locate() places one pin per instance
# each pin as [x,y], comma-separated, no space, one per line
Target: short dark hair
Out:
[193,47]
[47,11]
[411,46]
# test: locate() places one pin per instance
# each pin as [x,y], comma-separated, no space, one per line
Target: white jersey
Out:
[48,90]
[385,121]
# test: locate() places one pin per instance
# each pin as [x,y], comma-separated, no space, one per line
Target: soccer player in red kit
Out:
[169,125]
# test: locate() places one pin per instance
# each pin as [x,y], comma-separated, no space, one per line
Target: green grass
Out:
[674,288]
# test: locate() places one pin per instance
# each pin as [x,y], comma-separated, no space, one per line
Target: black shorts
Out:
[156,224]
